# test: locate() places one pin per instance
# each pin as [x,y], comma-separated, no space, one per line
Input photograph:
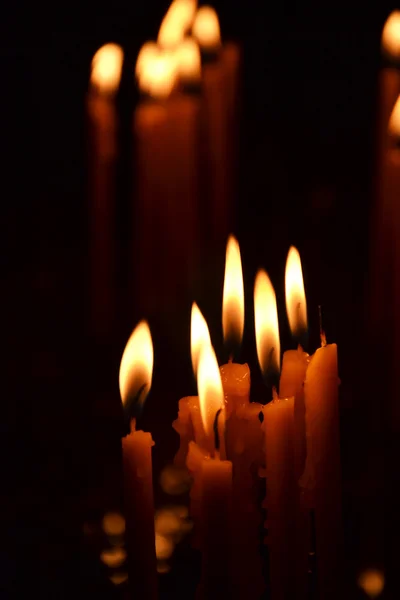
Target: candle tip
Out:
[321,331]
[133,425]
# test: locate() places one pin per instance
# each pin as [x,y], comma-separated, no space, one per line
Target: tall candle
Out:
[102,148]
[322,477]
[135,382]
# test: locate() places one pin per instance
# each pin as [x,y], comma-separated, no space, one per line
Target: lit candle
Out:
[322,476]
[135,381]
[166,131]
[176,23]
[102,137]
[279,449]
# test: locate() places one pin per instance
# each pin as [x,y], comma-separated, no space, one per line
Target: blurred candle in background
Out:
[102,158]
[135,377]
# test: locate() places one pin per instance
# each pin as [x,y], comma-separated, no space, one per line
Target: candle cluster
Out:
[232,446]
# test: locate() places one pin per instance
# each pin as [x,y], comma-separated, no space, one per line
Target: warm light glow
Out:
[296,306]
[176,23]
[188,60]
[118,578]
[391,35]
[372,582]
[147,53]
[158,74]
[113,557]
[206,28]
[199,335]
[113,524]
[211,394]
[266,323]
[136,368]
[164,547]
[233,298]
[106,68]
[394,121]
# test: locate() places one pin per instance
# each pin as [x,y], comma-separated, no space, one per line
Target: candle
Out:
[279,450]
[322,476]
[102,147]
[176,23]
[166,132]
[135,382]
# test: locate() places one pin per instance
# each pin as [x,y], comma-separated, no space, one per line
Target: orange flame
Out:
[266,323]
[188,60]
[136,369]
[206,28]
[106,68]
[199,335]
[158,73]
[391,35]
[296,306]
[211,394]
[176,23]
[372,581]
[394,121]
[147,53]
[233,297]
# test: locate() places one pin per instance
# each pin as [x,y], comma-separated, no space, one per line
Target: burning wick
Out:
[216,432]
[321,331]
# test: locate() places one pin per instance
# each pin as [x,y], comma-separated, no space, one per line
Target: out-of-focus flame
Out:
[147,53]
[118,578]
[106,68]
[175,480]
[188,60]
[209,384]
[199,335]
[113,524]
[296,306]
[391,35]
[266,323]
[164,547]
[394,121]
[176,23]
[113,557]
[158,74]
[136,370]
[206,28]
[372,582]
[233,298]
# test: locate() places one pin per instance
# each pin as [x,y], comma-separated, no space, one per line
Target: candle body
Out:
[322,475]
[102,148]
[236,383]
[139,512]
[194,461]
[166,212]
[281,497]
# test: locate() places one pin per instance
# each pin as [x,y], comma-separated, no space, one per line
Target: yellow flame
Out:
[206,28]
[188,60]
[136,367]
[211,394]
[199,335]
[266,323]
[106,68]
[233,298]
[394,121]
[147,52]
[372,582]
[158,74]
[391,35]
[296,306]
[176,23]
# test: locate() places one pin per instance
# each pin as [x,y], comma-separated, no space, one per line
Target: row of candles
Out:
[227,442]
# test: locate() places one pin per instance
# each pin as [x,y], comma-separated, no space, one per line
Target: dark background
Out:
[306,178]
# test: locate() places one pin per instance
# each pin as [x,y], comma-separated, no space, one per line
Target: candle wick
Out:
[274,394]
[321,331]
[230,359]
[133,425]
[216,432]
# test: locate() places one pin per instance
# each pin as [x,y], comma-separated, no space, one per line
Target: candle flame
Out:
[296,306]
[233,297]
[391,35]
[158,73]
[211,394]
[147,52]
[206,28]
[394,121]
[176,23]
[188,60]
[199,335]
[266,323]
[136,369]
[106,68]
[372,581]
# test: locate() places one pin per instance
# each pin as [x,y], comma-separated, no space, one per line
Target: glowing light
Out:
[118,578]
[158,74]
[296,306]
[233,298]
[164,547]
[176,23]
[266,323]
[391,35]
[113,524]
[394,121]
[106,68]
[199,335]
[113,557]
[175,480]
[372,582]
[136,368]
[211,394]
[147,53]
[206,28]
[188,60]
